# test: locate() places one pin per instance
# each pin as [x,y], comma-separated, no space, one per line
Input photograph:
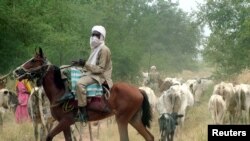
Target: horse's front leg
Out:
[63,125]
[123,129]
[67,134]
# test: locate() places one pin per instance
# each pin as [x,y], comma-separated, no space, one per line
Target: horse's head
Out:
[33,68]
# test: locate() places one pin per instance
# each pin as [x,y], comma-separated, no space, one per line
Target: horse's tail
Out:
[146,110]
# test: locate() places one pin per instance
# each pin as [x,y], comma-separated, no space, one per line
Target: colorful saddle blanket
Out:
[92,90]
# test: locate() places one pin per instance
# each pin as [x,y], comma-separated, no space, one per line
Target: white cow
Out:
[8,101]
[186,90]
[198,87]
[227,91]
[195,88]
[217,108]
[176,99]
[151,96]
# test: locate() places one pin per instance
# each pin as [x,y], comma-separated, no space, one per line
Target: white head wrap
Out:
[96,44]
[100,29]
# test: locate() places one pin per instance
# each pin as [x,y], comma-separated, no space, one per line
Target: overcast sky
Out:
[190,5]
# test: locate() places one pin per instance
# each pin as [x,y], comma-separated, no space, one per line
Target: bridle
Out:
[37,72]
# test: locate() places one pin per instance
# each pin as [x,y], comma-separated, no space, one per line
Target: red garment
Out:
[21,113]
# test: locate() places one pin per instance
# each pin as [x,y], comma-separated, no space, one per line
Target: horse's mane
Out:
[57,79]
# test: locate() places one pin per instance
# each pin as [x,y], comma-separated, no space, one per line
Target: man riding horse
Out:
[129,104]
[98,69]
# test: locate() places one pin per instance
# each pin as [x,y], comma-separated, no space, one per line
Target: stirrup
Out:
[81,117]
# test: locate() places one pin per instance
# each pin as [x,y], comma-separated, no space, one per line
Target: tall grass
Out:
[15,132]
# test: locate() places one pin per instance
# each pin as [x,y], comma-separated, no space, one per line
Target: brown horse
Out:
[127,103]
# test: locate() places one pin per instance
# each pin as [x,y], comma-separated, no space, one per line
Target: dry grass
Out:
[15,132]
[187,74]
[244,77]
[198,118]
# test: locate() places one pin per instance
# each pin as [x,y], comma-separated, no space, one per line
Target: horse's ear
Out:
[41,52]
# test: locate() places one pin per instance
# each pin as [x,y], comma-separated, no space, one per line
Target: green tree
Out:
[227,48]
[139,33]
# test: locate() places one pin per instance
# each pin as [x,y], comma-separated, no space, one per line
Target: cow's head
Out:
[8,99]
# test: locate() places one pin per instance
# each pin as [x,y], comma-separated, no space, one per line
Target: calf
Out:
[167,123]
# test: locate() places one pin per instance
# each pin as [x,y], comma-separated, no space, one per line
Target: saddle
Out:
[96,94]
[96,100]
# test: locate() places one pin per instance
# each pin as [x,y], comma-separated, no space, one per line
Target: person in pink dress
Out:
[23,89]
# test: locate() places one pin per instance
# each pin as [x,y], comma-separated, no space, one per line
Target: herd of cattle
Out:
[228,104]
[174,100]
